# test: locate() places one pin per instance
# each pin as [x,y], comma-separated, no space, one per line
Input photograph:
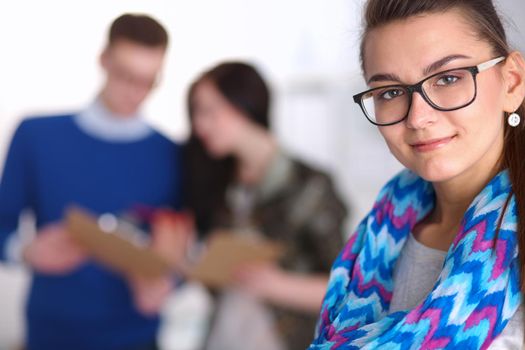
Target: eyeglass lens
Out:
[446,91]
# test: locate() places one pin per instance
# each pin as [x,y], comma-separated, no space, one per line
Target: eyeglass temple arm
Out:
[486,65]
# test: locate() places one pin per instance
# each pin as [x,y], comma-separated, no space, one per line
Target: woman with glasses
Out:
[438,263]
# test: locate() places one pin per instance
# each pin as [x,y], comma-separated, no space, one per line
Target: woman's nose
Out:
[421,114]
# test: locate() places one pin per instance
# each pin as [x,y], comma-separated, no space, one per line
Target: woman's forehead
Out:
[417,42]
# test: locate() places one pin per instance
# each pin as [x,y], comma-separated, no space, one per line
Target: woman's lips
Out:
[431,145]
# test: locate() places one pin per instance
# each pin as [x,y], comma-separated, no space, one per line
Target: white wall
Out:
[49,55]
[306,48]
[513,12]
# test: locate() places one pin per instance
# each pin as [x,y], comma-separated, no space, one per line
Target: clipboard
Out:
[227,250]
[111,249]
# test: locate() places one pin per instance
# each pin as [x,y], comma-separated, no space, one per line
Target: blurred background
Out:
[306,49]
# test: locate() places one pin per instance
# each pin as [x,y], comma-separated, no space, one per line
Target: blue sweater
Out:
[53,163]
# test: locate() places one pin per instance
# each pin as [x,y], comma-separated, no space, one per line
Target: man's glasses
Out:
[445,91]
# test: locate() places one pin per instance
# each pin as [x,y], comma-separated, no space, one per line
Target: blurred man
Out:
[106,159]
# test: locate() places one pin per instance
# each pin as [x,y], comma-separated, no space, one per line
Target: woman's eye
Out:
[447,80]
[391,94]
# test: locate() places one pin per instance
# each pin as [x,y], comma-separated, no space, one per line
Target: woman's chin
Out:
[436,172]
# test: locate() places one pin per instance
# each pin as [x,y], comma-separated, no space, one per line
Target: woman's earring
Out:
[514,120]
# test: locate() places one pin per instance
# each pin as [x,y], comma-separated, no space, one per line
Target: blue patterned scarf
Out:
[475,295]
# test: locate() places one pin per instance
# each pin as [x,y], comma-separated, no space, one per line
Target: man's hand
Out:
[54,252]
[172,235]
[149,295]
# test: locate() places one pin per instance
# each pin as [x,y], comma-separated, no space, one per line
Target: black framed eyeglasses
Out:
[448,90]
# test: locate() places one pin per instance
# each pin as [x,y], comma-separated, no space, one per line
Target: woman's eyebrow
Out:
[428,70]
[383,77]
[442,62]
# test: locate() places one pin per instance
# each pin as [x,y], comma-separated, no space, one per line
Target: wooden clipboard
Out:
[112,250]
[226,251]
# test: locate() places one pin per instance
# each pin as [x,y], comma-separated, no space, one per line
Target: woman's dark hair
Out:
[483,17]
[206,178]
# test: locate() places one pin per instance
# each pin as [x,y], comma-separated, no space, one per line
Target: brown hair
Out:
[485,20]
[206,178]
[140,29]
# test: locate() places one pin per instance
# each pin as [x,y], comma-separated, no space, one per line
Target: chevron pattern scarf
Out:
[475,295]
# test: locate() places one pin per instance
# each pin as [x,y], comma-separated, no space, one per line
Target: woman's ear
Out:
[514,79]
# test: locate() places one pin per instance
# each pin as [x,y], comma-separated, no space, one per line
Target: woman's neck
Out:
[255,156]
[453,197]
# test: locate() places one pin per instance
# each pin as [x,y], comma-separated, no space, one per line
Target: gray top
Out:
[417,270]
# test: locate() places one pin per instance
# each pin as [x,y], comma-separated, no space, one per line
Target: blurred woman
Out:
[240,180]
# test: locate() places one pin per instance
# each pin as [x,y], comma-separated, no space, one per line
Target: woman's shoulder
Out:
[306,171]
[296,182]
[313,184]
